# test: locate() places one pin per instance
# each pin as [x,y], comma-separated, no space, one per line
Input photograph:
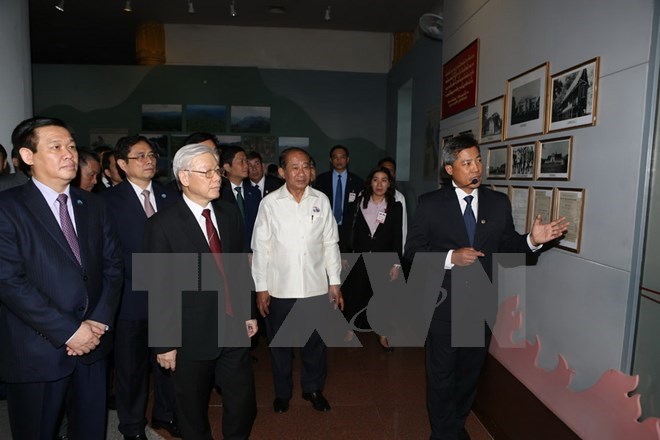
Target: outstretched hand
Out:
[543,233]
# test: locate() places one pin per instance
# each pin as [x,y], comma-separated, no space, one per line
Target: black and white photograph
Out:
[491,120]
[555,159]
[521,161]
[162,117]
[504,189]
[573,96]
[525,103]
[250,119]
[497,163]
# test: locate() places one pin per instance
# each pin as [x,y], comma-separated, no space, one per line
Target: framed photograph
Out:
[521,161]
[569,203]
[491,120]
[520,208]
[250,119]
[264,145]
[161,117]
[209,118]
[229,141]
[497,163]
[573,96]
[541,201]
[525,103]
[504,189]
[432,147]
[554,159]
[285,142]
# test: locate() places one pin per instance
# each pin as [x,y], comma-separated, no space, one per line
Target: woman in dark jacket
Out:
[376,228]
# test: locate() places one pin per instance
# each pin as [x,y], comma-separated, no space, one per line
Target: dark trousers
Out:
[193,382]
[452,374]
[35,409]
[313,354]
[133,359]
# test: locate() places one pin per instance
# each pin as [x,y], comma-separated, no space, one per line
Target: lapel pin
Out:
[80,202]
[483,222]
[163,195]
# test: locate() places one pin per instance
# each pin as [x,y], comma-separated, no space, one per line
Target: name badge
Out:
[351,197]
[381,217]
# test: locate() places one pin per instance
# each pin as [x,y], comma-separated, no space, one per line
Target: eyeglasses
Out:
[208,174]
[144,157]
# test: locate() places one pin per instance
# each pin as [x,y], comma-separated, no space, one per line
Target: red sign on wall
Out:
[459,81]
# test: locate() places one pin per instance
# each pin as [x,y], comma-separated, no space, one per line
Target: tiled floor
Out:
[374,395]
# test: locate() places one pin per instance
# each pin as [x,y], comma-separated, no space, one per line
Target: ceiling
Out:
[100,32]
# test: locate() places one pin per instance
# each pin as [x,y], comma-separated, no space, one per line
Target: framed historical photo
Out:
[554,159]
[521,161]
[519,196]
[569,203]
[497,162]
[573,96]
[491,120]
[504,189]
[540,202]
[526,102]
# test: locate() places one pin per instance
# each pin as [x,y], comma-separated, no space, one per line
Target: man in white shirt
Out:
[296,258]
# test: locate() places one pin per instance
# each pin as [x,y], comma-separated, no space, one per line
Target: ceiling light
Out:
[327,13]
[127,6]
[60,6]
[191,7]
[232,9]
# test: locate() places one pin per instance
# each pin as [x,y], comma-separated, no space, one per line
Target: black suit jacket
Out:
[176,230]
[127,213]
[271,183]
[251,199]
[388,236]
[354,186]
[44,292]
[438,226]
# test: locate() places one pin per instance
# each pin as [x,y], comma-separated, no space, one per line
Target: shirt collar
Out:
[195,208]
[49,193]
[462,194]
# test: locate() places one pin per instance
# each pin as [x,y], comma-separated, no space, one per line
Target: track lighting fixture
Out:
[327,13]
[60,6]
[128,7]
[191,7]
[232,9]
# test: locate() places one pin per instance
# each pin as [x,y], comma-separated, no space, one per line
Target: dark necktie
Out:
[216,249]
[338,209]
[240,201]
[67,227]
[468,218]
[148,207]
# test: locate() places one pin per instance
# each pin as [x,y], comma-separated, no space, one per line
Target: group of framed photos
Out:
[550,203]
[549,159]
[536,103]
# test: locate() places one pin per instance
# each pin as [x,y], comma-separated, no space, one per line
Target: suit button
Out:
[85,278]
[81,309]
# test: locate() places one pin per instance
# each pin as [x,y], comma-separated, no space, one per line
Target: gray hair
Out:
[186,154]
[455,145]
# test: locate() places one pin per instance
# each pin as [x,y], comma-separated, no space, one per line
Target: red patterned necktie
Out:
[216,249]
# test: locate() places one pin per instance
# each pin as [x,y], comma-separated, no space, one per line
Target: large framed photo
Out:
[520,208]
[554,159]
[521,161]
[540,202]
[573,96]
[504,189]
[497,163]
[569,203]
[491,120]
[526,102]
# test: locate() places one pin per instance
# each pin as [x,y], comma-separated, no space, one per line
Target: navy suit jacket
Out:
[176,230]
[127,213]
[251,199]
[438,226]
[271,183]
[354,185]
[44,292]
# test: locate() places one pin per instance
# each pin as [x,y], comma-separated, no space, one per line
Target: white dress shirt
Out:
[138,192]
[295,245]
[201,220]
[261,183]
[51,198]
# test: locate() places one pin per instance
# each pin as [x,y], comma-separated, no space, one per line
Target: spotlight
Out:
[191,7]
[127,6]
[60,6]
[232,9]
[327,13]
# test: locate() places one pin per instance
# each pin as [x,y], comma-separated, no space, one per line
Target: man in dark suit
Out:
[470,223]
[60,281]
[256,178]
[342,188]
[247,198]
[19,177]
[130,203]
[198,223]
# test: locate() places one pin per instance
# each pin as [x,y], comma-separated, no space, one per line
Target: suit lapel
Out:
[160,195]
[485,204]
[36,204]
[223,227]
[81,214]
[190,227]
